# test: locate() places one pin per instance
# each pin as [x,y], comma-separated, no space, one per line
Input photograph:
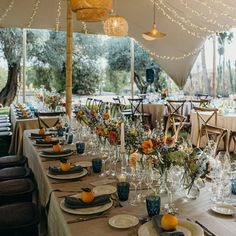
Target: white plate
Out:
[123,221]
[187,227]
[86,211]
[84,164]
[104,189]
[56,156]
[224,209]
[68,176]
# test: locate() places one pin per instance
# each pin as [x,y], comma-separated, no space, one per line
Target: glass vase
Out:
[193,192]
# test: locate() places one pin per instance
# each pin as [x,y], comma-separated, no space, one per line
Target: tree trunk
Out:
[8,93]
[205,78]
[230,78]
[142,86]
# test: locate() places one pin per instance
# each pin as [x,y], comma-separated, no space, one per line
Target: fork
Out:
[82,219]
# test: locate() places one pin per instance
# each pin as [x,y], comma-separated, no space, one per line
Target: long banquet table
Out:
[51,192]
[18,128]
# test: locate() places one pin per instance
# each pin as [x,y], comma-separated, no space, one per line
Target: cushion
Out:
[10,161]
[14,173]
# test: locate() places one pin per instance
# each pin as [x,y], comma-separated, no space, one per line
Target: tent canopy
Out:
[187,24]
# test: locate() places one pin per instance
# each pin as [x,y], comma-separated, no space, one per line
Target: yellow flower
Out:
[134,157]
[105,116]
[133,131]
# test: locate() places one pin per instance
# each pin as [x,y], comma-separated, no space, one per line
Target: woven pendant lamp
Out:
[91,10]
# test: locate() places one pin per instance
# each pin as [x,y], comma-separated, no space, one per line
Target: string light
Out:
[184,20]
[4,15]
[190,32]
[211,11]
[58,15]
[171,58]
[85,29]
[206,18]
[224,5]
[35,10]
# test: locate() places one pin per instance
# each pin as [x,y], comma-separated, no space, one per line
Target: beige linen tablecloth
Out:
[18,127]
[57,219]
[226,121]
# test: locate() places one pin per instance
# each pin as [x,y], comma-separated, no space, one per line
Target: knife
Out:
[85,219]
[205,228]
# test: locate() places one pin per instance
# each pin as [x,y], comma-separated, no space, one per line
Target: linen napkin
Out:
[156,222]
[38,135]
[52,153]
[40,141]
[74,203]
[57,171]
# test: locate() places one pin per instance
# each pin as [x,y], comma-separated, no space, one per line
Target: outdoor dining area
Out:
[149,162]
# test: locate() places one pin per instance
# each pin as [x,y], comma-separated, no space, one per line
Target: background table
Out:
[57,219]
[18,127]
[226,121]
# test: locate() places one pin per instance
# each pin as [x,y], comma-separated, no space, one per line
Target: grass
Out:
[4,111]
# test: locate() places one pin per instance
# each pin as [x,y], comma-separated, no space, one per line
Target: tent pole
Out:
[132,66]
[24,65]
[214,67]
[69,46]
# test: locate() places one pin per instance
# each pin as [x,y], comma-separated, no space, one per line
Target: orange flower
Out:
[168,140]
[93,113]
[147,146]
[79,114]
[105,116]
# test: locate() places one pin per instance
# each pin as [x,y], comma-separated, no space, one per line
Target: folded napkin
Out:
[53,142]
[156,221]
[73,202]
[57,171]
[62,152]
[38,135]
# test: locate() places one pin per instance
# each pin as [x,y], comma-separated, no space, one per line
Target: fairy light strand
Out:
[184,20]
[35,10]
[190,32]
[8,9]
[211,11]
[230,8]
[171,58]
[206,18]
[85,29]
[58,16]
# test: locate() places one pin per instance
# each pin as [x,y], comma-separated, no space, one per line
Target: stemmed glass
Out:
[173,181]
[148,180]
[134,180]
[105,152]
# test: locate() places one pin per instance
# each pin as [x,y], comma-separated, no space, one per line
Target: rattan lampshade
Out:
[116,26]
[91,10]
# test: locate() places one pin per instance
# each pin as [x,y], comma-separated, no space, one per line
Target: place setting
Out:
[66,171]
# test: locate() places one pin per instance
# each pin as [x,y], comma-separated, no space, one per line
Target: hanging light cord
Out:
[154,10]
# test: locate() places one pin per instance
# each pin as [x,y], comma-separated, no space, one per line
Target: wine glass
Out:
[134,180]
[148,180]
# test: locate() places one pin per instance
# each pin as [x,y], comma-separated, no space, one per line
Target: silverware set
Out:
[82,219]
[207,232]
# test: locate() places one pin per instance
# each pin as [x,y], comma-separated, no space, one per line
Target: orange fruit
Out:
[56,147]
[169,222]
[87,195]
[41,131]
[65,166]
[48,139]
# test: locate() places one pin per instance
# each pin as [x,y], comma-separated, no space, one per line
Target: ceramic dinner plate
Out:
[104,189]
[187,227]
[56,155]
[123,221]
[224,209]
[68,176]
[86,211]
[84,164]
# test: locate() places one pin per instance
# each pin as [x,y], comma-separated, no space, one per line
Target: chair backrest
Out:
[42,122]
[97,104]
[175,106]
[116,108]
[199,103]
[136,104]
[89,102]
[117,100]
[201,96]
[176,122]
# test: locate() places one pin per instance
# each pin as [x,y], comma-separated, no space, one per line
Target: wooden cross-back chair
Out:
[97,104]
[205,128]
[89,102]
[199,103]
[116,108]
[175,106]
[232,137]
[137,111]
[116,100]
[176,122]
[42,122]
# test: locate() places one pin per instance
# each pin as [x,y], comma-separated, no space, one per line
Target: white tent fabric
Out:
[187,23]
